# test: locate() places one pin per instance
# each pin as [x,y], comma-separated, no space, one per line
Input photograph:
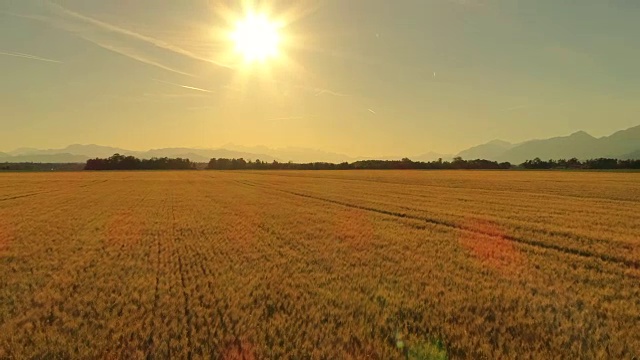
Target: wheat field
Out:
[320,265]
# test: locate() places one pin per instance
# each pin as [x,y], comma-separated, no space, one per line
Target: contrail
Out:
[74,29]
[183,86]
[148,39]
[135,56]
[27,56]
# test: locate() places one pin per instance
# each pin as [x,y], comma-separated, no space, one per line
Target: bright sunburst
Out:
[256,38]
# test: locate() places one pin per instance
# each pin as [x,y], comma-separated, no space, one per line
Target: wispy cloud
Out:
[132,34]
[182,86]
[27,56]
[514,108]
[201,108]
[319,92]
[535,106]
[174,96]
[469,3]
[287,118]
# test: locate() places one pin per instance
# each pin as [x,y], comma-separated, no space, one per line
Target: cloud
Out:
[132,34]
[27,56]
[182,86]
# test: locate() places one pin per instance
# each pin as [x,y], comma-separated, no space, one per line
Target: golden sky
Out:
[364,78]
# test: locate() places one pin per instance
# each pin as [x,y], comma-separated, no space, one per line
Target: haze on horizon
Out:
[364,78]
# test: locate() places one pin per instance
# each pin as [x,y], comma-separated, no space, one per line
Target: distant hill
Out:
[203,155]
[580,145]
[492,149]
[431,156]
[294,154]
[632,155]
[44,158]
[88,151]
[81,153]
[622,144]
[306,155]
[23,150]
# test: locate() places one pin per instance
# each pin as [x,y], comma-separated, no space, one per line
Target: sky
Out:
[363,78]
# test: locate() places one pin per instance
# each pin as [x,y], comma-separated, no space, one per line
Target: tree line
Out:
[121,162]
[593,164]
[457,163]
[29,166]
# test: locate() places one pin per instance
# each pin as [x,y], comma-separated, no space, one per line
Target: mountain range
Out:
[624,144]
[81,153]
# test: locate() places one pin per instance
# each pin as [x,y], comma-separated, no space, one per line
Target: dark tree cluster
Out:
[457,163]
[121,162]
[241,164]
[40,167]
[592,164]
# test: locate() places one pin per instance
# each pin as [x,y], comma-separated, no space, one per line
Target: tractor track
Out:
[452,225]
[187,308]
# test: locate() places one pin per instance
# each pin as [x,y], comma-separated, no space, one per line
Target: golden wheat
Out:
[326,265]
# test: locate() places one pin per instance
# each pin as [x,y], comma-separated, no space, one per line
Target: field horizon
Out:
[622,144]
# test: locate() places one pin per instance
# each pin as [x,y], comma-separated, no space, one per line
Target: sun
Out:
[256,38]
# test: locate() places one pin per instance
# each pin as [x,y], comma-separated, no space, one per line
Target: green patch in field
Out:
[421,350]
[428,350]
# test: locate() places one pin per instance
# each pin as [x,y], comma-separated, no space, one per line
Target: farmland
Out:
[323,265]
